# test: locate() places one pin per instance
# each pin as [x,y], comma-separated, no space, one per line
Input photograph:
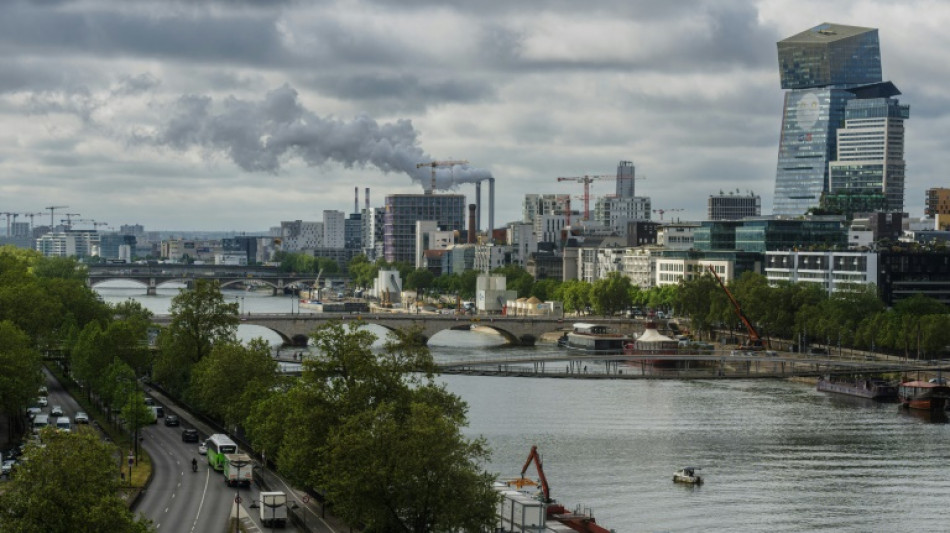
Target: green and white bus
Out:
[218,446]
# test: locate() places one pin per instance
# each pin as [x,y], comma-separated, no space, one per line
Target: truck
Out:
[273,509]
[237,469]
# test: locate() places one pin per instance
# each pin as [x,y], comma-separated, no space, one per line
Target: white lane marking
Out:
[166,509]
[290,490]
[202,502]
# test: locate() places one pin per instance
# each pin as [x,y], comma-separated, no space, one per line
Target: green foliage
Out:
[575,295]
[361,271]
[545,289]
[20,377]
[516,279]
[231,379]
[356,409]
[611,294]
[69,485]
[419,279]
[200,318]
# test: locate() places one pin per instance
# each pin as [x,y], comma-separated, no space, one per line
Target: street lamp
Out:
[240,300]
[238,464]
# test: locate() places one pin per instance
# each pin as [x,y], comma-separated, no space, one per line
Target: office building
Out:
[938,201]
[334,229]
[535,205]
[733,206]
[822,69]
[402,212]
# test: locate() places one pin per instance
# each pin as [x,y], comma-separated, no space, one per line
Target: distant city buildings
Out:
[402,212]
[733,206]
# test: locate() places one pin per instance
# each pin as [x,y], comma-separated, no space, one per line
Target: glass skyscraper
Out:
[823,69]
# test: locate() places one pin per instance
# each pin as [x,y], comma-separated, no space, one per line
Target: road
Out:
[180,500]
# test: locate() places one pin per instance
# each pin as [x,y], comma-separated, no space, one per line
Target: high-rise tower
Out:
[823,68]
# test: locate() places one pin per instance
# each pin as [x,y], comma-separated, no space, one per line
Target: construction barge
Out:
[523,508]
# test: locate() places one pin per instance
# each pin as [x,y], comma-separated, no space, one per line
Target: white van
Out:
[62,424]
[40,421]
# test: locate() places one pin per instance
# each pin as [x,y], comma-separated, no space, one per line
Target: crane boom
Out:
[587,180]
[755,342]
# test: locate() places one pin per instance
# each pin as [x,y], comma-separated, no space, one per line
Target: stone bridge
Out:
[295,329]
[153,276]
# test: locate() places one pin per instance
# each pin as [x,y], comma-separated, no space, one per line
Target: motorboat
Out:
[687,475]
[923,395]
[594,339]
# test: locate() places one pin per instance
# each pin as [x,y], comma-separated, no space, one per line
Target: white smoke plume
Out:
[257,134]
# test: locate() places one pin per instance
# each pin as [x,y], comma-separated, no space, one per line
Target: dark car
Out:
[189,435]
[171,420]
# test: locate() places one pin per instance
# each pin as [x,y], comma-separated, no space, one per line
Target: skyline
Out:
[154,113]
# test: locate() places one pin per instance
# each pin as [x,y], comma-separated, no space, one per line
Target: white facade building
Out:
[671,270]
[639,264]
[833,271]
[547,228]
[299,235]
[491,295]
[334,229]
[615,213]
[677,235]
[536,205]
[488,257]
[523,242]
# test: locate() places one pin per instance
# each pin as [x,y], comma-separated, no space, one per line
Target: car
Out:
[202,448]
[149,401]
[57,410]
[187,435]
[171,420]
[44,391]
[33,411]
[42,401]
[81,418]
[7,467]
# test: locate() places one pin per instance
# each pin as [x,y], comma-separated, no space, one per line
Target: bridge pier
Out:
[527,340]
[151,291]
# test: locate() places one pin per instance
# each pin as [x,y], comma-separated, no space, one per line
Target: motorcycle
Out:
[194,465]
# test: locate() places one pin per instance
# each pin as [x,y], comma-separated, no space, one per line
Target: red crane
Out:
[755,342]
[587,180]
[555,511]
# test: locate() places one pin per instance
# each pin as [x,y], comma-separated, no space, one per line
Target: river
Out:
[776,455]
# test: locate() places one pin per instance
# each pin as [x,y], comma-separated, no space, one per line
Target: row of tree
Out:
[70,483]
[805,313]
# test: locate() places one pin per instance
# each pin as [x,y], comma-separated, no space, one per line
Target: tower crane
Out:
[661,211]
[434,164]
[69,219]
[32,215]
[52,209]
[587,180]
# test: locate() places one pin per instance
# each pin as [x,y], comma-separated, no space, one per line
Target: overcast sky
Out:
[235,115]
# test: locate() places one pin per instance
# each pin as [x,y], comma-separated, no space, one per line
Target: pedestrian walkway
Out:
[313,518]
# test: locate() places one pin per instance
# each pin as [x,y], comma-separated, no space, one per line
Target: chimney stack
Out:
[491,208]
[471,223]
[356,199]
[478,205]
[367,198]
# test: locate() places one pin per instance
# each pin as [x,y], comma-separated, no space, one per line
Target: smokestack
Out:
[491,208]
[478,205]
[356,199]
[471,223]
[367,198]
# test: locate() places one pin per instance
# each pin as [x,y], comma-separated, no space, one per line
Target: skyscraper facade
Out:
[824,69]
[402,212]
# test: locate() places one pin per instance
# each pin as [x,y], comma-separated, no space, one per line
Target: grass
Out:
[142,470]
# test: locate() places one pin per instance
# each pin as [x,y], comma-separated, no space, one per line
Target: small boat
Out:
[923,395]
[687,475]
[871,388]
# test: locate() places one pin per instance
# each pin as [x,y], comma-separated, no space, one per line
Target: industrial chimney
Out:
[478,205]
[491,208]
[367,199]
[356,199]
[471,223]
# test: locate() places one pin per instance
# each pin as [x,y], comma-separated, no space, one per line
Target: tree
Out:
[231,379]
[70,484]
[376,475]
[610,294]
[361,271]
[545,289]
[419,279]
[200,318]
[21,376]
[516,279]
[355,409]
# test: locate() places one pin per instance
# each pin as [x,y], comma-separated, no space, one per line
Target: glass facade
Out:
[830,54]
[402,212]
[808,143]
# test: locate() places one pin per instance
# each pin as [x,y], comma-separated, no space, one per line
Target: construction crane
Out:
[52,209]
[755,342]
[435,164]
[587,180]
[31,215]
[661,211]
[69,219]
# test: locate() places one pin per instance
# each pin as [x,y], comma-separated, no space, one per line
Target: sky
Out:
[235,115]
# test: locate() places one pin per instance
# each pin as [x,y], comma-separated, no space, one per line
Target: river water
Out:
[776,455]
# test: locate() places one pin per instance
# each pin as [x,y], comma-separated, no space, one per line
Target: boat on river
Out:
[872,388]
[923,395]
[594,339]
[687,475]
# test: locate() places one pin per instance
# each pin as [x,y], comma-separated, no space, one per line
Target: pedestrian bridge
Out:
[295,329]
[153,276]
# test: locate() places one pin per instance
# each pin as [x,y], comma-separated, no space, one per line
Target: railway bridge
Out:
[153,276]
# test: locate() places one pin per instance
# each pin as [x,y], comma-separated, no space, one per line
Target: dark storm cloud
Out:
[195,36]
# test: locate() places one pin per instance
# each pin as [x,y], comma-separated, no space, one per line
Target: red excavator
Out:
[755,342]
[576,520]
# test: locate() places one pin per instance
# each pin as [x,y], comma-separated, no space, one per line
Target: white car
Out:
[203,448]
[42,401]
[57,410]
[7,467]
[81,418]
[33,411]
